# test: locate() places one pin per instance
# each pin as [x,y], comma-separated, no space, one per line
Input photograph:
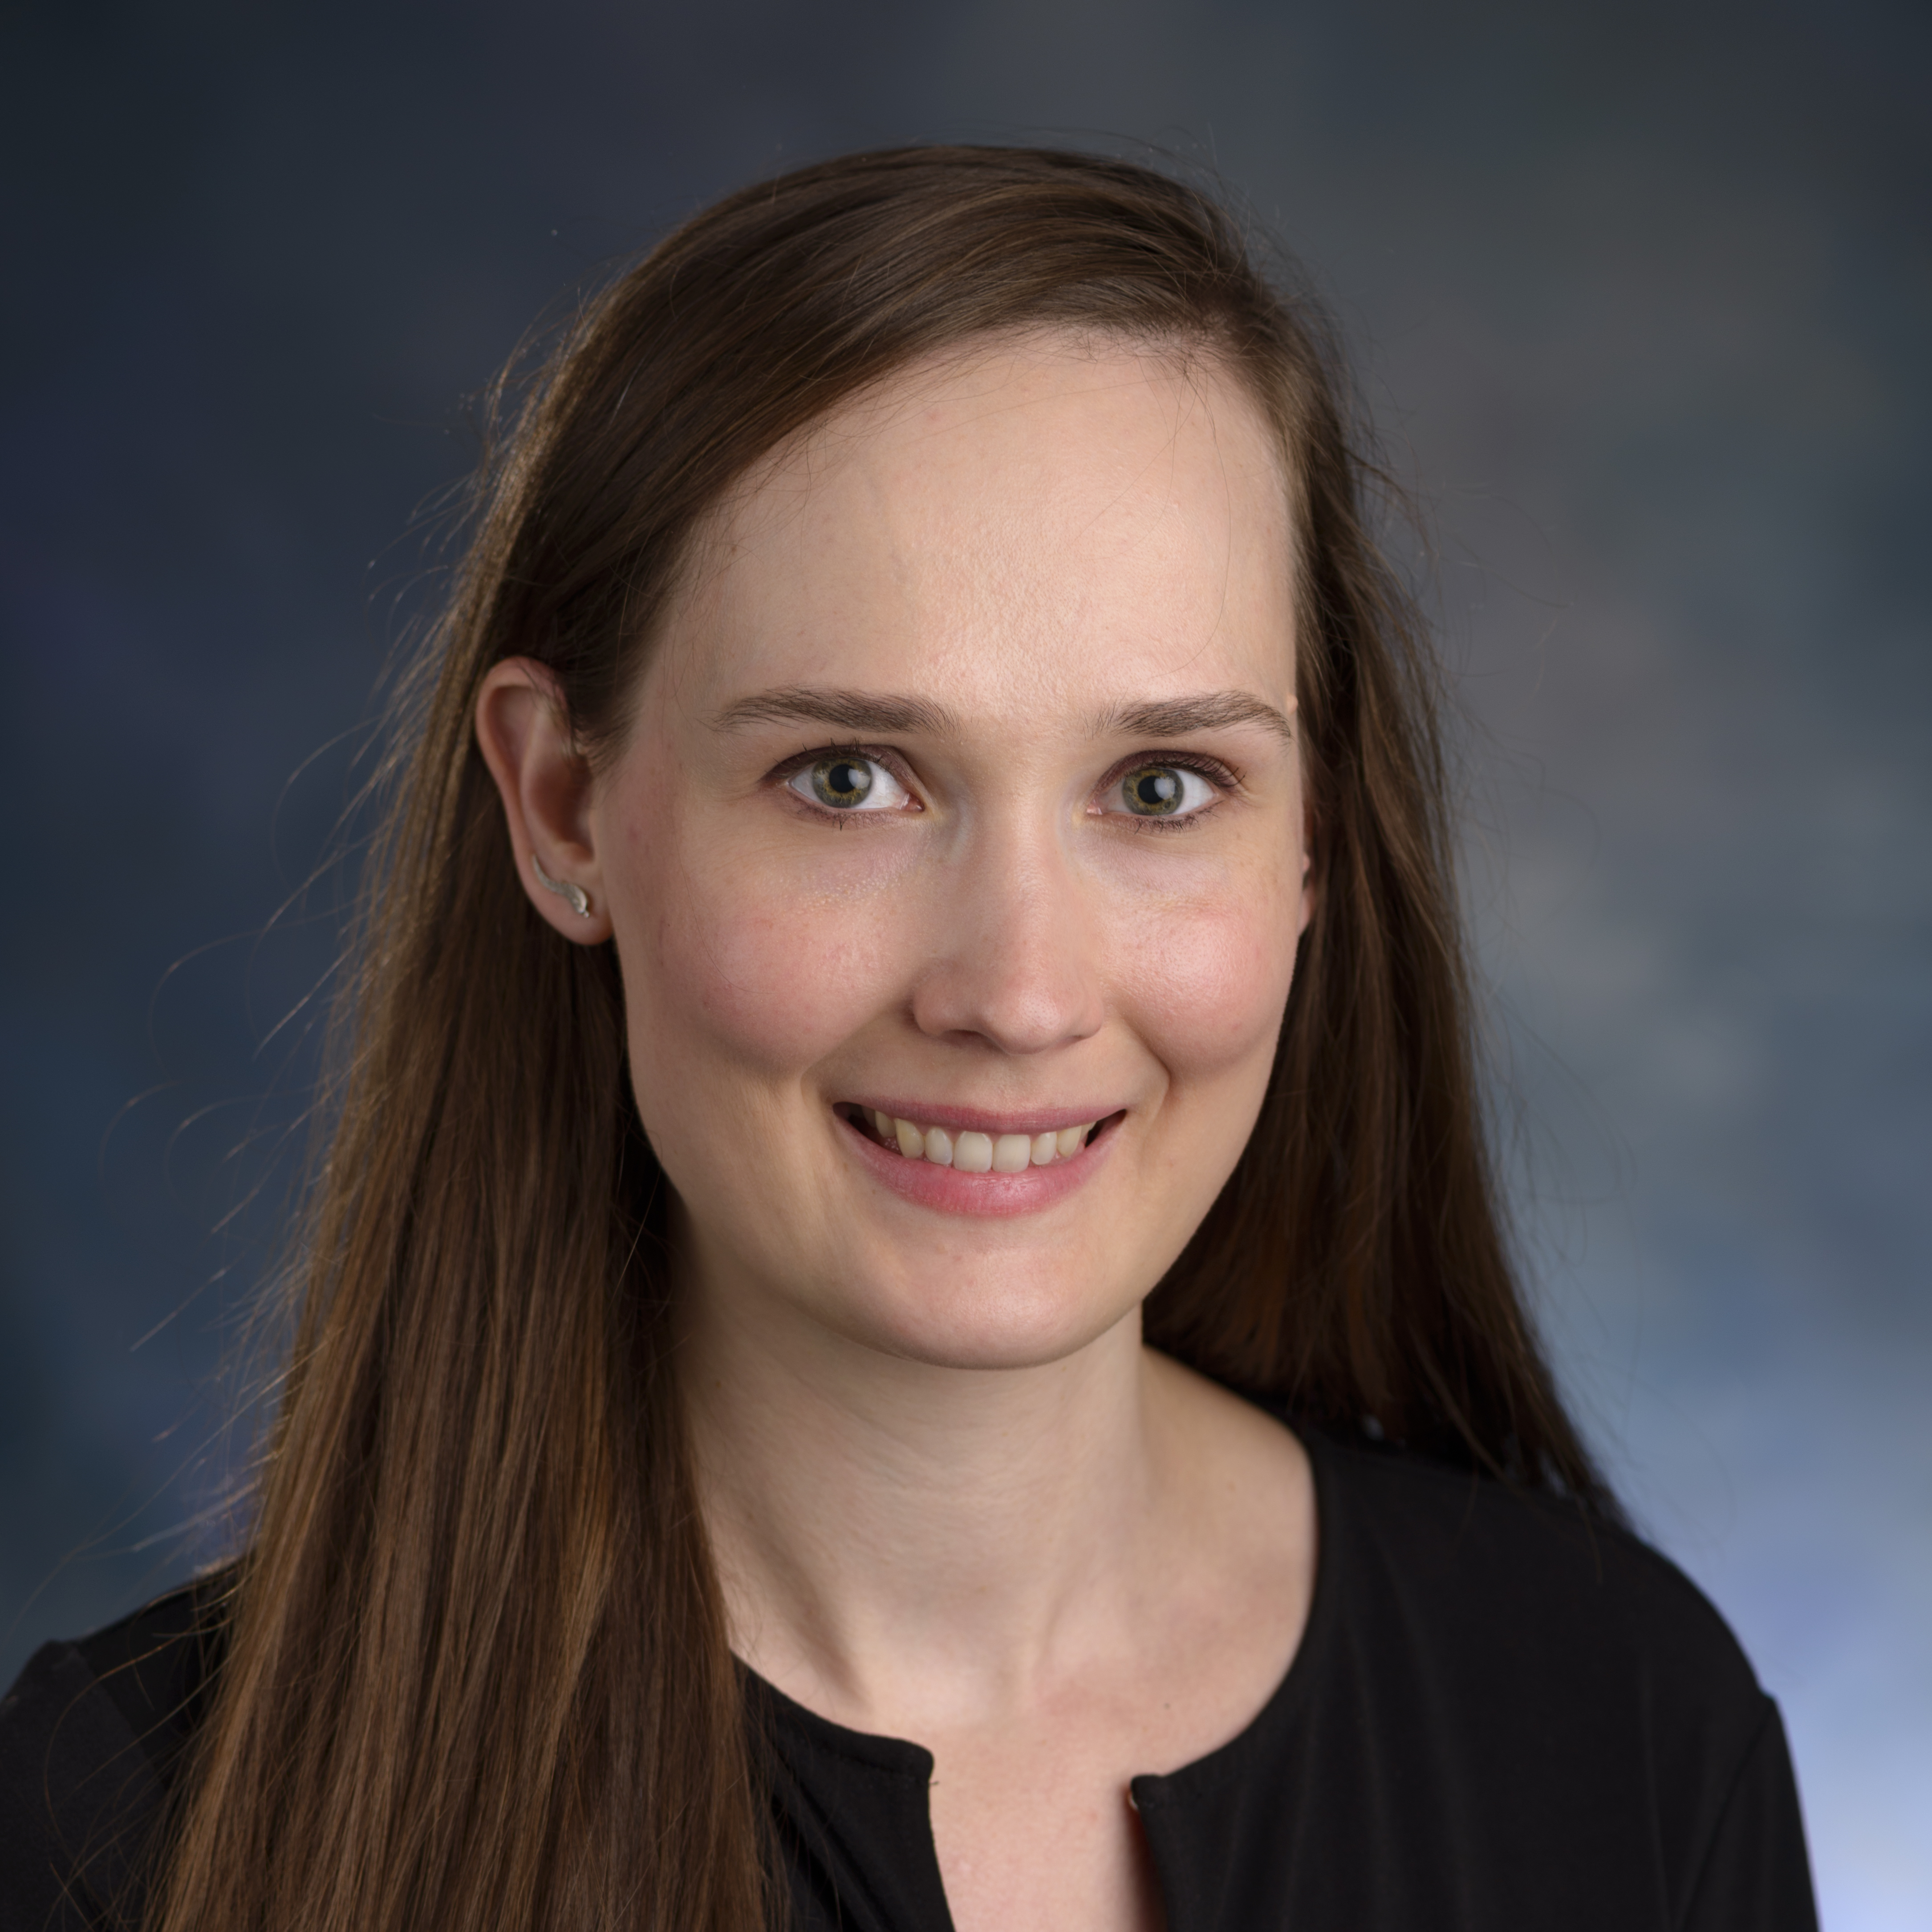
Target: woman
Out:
[906,1165]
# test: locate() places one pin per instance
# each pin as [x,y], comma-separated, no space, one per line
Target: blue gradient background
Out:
[1643,299]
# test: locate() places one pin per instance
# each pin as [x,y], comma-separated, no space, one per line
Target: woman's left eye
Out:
[1160,791]
[847,782]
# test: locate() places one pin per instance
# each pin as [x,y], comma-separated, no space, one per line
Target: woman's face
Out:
[963,793]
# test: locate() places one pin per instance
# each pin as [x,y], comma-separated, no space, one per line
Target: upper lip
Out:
[985,1119]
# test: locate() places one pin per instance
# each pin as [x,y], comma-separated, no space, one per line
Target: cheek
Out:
[773,990]
[737,962]
[1208,977]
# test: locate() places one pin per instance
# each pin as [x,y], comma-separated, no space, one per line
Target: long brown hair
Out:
[476,1673]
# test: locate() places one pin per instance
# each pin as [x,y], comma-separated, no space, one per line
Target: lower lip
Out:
[949,1192]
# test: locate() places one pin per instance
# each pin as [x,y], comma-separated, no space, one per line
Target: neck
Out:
[882,1526]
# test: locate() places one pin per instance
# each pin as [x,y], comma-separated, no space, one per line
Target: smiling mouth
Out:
[970,1152]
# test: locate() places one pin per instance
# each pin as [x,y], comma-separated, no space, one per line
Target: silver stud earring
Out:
[579,900]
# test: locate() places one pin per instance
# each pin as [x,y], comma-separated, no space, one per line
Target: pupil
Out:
[1153,792]
[841,781]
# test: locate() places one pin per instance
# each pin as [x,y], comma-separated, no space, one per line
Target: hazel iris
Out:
[841,783]
[1154,791]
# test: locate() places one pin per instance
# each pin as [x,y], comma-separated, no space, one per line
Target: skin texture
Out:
[952,1496]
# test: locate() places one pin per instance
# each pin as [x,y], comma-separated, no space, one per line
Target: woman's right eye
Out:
[847,782]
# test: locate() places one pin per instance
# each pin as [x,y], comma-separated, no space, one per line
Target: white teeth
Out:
[978,1153]
[1012,1154]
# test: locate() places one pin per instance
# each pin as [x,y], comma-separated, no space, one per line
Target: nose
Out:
[1016,963]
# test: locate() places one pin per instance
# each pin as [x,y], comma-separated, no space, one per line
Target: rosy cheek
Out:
[744,957]
[1208,980]
[776,990]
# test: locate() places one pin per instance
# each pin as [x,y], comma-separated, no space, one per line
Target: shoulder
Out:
[1503,1712]
[1510,1577]
[92,1734]
[1570,1680]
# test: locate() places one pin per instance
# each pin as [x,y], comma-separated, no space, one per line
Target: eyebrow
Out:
[1174,717]
[844,710]
[869,711]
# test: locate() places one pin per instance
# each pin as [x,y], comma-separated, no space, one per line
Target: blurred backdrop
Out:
[1642,300]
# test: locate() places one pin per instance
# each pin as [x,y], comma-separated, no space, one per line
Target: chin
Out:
[970,1324]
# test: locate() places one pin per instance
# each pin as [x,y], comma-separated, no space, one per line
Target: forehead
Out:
[1037,525]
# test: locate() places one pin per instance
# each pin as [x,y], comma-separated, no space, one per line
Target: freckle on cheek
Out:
[768,990]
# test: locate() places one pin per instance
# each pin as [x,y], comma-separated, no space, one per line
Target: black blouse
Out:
[1501,1716]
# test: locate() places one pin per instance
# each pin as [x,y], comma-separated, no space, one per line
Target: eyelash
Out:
[879,754]
[1216,772]
[1211,769]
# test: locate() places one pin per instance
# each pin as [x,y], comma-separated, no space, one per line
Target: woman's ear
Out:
[544,782]
[1307,870]
[1291,709]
